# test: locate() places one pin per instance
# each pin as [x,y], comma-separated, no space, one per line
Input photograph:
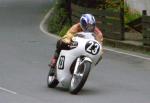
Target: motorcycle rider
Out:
[87,23]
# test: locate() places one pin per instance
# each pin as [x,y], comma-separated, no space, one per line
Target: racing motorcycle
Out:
[74,65]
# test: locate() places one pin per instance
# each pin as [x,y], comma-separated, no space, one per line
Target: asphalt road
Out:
[25,52]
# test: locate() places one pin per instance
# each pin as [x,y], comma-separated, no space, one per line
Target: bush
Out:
[59,17]
[130,15]
[89,3]
[56,21]
[64,30]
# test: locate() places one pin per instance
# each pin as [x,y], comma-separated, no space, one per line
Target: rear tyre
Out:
[52,82]
[79,79]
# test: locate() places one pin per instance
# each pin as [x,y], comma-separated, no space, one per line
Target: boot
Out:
[52,66]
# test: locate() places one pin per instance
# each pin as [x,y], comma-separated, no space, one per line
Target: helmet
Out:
[87,22]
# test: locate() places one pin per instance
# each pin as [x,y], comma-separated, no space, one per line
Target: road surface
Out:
[25,52]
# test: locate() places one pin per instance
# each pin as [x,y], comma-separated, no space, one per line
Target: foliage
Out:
[59,17]
[129,14]
[57,20]
[60,22]
[98,4]
[53,25]
[112,4]
[64,30]
[89,3]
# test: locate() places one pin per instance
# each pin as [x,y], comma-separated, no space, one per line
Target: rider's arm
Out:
[71,33]
[99,35]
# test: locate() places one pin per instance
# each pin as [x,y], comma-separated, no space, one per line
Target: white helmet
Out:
[87,22]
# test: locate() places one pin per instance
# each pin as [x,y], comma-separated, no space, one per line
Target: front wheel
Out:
[79,79]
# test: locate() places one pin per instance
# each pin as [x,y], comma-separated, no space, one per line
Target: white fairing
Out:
[87,46]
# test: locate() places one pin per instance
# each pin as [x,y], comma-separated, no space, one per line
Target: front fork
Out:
[79,62]
[76,66]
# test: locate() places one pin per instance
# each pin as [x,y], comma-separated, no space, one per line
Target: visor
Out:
[90,27]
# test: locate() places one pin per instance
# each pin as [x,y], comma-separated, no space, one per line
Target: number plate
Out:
[92,47]
[61,62]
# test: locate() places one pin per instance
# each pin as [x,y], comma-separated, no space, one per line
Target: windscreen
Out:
[86,35]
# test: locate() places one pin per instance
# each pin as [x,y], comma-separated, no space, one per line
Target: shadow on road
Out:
[84,91]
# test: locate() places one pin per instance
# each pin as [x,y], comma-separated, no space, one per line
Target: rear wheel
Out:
[52,82]
[79,79]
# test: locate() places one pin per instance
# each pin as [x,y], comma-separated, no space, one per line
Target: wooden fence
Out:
[108,20]
[146,29]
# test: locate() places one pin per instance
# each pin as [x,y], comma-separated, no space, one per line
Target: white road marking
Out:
[133,55]
[7,90]
[42,25]
[112,50]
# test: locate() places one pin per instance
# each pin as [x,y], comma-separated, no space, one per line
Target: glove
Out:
[64,45]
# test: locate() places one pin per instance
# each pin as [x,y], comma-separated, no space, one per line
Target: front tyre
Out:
[78,80]
[52,82]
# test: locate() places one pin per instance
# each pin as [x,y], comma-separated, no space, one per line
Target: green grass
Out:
[64,30]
